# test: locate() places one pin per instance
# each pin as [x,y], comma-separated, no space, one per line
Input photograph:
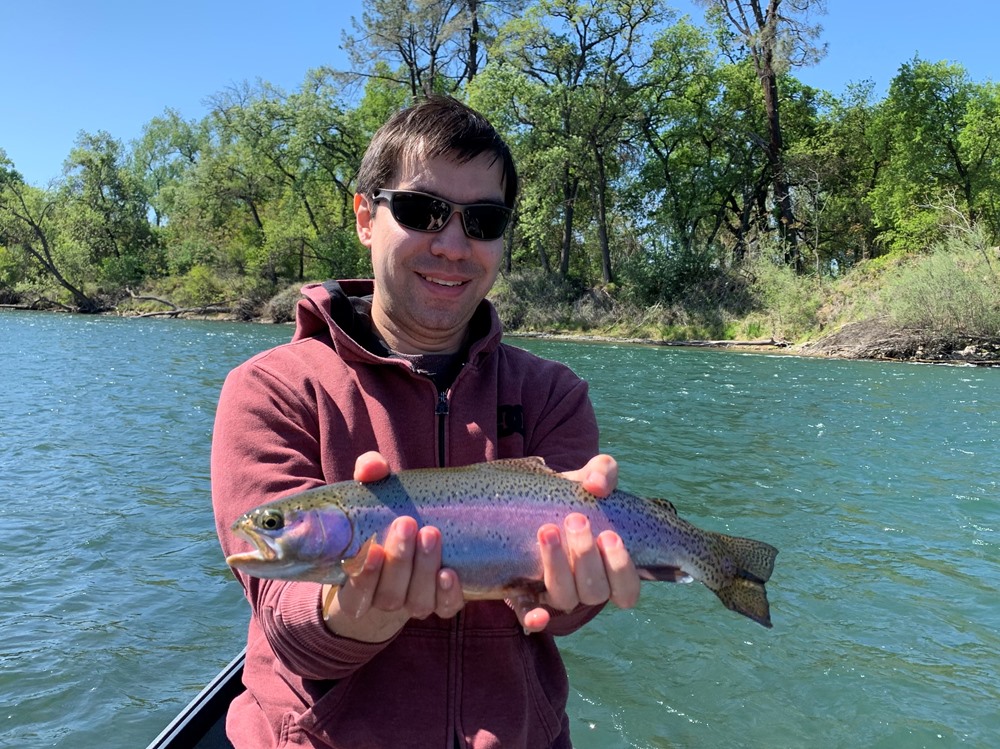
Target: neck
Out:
[424,342]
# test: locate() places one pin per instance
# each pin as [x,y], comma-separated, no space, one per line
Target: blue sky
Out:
[72,66]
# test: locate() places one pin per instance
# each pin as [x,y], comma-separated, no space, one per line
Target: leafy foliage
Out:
[954,290]
[656,171]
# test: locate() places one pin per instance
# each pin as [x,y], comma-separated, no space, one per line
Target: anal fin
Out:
[664,574]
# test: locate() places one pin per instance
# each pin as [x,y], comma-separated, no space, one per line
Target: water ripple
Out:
[877,481]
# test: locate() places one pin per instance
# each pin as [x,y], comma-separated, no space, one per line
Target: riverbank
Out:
[873,339]
[869,339]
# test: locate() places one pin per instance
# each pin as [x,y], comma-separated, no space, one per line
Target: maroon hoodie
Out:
[297,416]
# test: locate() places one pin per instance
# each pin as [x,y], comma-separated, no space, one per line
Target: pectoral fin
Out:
[328,600]
[353,566]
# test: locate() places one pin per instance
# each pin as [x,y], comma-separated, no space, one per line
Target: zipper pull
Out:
[442,405]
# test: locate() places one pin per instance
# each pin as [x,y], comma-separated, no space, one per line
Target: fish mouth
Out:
[266,550]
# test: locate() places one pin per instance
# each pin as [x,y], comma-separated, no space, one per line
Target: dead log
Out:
[147,298]
[177,311]
[762,342]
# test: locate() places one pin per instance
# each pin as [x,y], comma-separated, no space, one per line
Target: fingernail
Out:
[611,541]
[576,523]
[428,542]
[549,537]
[444,581]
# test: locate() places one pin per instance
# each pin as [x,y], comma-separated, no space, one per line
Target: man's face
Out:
[427,285]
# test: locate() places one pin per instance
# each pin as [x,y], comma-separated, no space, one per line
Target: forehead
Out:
[448,175]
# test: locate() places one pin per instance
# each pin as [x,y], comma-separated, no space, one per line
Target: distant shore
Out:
[870,340]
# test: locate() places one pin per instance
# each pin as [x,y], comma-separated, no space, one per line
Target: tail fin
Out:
[747,597]
[745,592]
[754,559]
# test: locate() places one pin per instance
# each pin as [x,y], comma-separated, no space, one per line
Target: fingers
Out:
[592,585]
[370,466]
[533,617]
[431,589]
[579,569]
[574,574]
[449,600]
[401,579]
[623,579]
[394,582]
[560,586]
[599,476]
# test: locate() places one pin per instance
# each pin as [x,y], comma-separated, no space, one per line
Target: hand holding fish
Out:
[403,578]
[591,571]
[509,529]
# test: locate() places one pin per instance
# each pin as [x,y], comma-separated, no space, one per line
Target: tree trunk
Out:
[570,187]
[472,66]
[787,226]
[601,189]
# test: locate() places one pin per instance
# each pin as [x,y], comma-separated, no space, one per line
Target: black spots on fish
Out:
[533,464]
[663,504]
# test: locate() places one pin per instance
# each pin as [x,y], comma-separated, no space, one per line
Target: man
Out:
[410,372]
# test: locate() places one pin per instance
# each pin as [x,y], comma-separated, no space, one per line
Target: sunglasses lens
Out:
[485,221]
[420,212]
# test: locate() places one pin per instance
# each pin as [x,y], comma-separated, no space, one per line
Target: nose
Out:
[451,242]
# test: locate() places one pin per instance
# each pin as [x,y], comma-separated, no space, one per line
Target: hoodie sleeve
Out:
[265,446]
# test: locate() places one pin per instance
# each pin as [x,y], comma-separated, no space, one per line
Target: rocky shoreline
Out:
[867,340]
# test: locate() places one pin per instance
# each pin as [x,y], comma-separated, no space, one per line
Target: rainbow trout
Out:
[489,515]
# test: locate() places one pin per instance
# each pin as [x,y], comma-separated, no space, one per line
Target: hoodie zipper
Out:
[441,411]
[456,739]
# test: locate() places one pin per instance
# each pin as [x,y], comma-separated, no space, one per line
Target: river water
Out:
[877,481]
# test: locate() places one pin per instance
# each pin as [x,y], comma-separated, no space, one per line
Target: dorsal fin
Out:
[533,464]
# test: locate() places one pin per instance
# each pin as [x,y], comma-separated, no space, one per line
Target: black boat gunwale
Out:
[202,722]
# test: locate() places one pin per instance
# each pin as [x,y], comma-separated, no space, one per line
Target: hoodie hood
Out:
[341,311]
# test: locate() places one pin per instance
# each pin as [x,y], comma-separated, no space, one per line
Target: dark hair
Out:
[433,127]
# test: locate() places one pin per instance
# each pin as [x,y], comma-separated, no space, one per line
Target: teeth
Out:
[441,282]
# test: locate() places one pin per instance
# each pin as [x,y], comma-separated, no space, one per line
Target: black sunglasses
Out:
[422,212]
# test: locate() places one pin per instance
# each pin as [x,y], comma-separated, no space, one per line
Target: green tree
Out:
[563,80]
[104,213]
[775,35]
[836,168]
[28,224]
[944,132]
[170,147]
[434,46]
[688,155]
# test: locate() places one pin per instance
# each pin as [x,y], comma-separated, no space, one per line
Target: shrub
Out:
[534,300]
[281,307]
[791,302]
[952,290]
[200,288]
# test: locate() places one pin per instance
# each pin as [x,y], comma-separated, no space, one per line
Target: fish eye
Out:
[271,520]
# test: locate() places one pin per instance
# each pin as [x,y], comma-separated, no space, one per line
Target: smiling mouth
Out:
[442,281]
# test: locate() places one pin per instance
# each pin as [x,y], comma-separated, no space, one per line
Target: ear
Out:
[363,219]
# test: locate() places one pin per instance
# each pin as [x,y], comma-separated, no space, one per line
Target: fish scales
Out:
[488,515]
